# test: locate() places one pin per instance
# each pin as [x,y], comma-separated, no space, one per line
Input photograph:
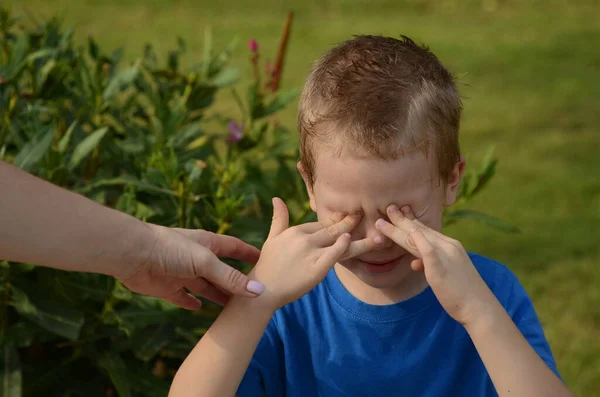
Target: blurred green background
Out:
[530,77]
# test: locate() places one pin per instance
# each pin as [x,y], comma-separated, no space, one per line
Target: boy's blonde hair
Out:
[382,97]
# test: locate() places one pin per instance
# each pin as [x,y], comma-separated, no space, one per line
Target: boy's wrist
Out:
[485,318]
[259,306]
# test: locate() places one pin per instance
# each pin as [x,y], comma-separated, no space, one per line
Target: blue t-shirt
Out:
[330,344]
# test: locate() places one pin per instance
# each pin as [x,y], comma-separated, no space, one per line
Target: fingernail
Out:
[255,287]
[406,211]
[377,240]
[393,208]
[380,223]
[413,229]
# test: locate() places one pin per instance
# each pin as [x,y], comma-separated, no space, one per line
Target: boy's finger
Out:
[427,251]
[398,235]
[407,212]
[332,254]
[417,265]
[399,219]
[329,235]
[359,247]
[313,227]
[281,218]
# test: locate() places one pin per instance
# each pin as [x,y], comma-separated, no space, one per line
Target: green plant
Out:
[143,139]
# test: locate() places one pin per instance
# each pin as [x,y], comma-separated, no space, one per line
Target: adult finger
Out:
[228,278]
[359,247]
[329,235]
[222,245]
[207,290]
[281,218]
[184,300]
[332,254]
[232,247]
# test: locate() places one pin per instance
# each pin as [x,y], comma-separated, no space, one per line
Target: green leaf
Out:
[12,382]
[43,53]
[64,141]
[126,180]
[24,334]
[226,77]
[122,79]
[118,373]
[280,102]
[45,71]
[185,135]
[17,56]
[35,150]
[93,49]
[49,315]
[255,105]
[496,223]
[150,340]
[131,146]
[147,384]
[86,146]
[84,286]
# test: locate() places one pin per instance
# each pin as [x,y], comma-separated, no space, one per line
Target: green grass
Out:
[532,88]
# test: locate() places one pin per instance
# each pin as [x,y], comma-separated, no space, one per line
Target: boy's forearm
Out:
[49,226]
[217,364]
[513,365]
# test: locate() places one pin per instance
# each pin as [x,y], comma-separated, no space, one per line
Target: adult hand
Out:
[189,259]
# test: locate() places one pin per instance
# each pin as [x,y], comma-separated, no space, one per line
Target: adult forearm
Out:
[49,226]
[217,364]
[513,365]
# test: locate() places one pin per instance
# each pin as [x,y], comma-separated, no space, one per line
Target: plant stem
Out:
[182,205]
[278,69]
[4,302]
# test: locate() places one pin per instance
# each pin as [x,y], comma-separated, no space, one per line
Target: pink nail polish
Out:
[255,287]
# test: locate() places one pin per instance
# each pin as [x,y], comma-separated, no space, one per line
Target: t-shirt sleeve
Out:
[265,374]
[521,310]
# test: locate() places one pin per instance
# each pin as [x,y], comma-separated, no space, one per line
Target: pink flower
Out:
[235,132]
[253,45]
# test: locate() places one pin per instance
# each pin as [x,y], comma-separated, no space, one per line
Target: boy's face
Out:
[347,183]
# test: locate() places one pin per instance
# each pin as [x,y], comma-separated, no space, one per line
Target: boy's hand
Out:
[452,276]
[294,260]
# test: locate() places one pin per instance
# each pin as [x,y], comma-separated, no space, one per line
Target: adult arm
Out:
[46,225]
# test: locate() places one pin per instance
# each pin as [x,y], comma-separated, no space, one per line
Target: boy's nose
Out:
[372,232]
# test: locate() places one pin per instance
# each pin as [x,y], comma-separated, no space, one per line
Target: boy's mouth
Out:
[382,267]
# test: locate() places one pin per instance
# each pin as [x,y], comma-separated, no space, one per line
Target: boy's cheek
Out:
[433,220]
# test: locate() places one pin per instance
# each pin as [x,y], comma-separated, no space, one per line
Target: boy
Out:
[373,300]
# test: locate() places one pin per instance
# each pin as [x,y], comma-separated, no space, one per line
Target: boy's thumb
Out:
[281,218]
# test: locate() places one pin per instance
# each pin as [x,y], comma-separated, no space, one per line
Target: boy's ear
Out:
[308,184]
[454,182]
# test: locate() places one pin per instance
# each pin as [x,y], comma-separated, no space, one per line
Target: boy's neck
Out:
[411,286]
